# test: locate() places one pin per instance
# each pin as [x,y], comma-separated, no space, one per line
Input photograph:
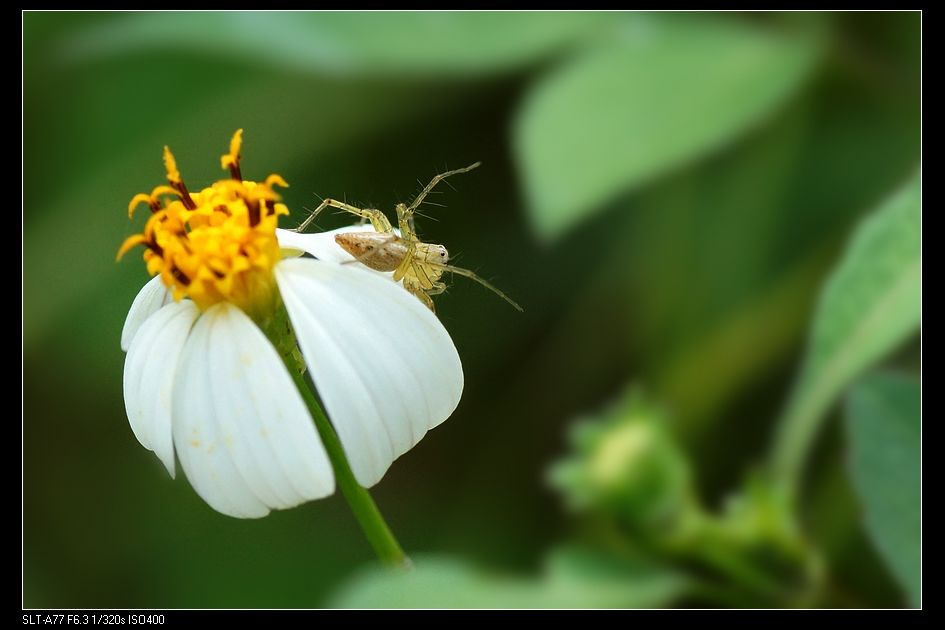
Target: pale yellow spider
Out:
[419,265]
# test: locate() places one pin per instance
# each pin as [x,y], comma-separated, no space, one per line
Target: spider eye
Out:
[442,254]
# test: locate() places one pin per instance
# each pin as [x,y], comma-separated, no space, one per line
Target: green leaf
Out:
[870,305]
[574,578]
[666,92]
[883,424]
[366,43]
[583,577]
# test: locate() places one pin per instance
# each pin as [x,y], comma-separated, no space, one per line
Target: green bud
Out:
[626,464]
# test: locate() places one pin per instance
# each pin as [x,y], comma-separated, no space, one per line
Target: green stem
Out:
[365,510]
[794,438]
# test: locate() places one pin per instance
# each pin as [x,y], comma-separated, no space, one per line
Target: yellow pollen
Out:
[215,245]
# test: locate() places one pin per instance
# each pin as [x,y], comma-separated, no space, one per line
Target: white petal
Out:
[149,376]
[242,432]
[150,298]
[322,245]
[383,364]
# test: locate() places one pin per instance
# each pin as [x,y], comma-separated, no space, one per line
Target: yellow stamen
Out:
[174,178]
[231,160]
[136,201]
[215,245]
[170,164]
[153,200]
[162,190]
[131,241]
[275,180]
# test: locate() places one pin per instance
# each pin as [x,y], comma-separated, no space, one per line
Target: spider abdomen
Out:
[381,251]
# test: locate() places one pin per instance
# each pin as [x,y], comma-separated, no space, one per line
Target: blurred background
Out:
[665,194]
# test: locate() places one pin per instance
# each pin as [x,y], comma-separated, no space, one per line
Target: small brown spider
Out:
[419,265]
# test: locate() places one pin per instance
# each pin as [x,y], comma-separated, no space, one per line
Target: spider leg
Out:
[414,287]
[405,223]
[472,276]
[438,288]
[376,217]
[405,213]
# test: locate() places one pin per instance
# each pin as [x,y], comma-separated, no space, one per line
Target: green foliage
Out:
[628,473]
[870,305]
[573,577]
[362,43]
[661,92]
[883,415]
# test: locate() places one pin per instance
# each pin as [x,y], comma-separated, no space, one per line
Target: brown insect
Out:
[417,264]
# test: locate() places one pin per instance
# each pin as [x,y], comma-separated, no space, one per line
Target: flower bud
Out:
[627,464]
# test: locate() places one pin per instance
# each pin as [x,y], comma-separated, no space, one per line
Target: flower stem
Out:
[372,523]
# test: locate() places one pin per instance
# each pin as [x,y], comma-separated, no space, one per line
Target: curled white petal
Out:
[149,376]
[242,432]
[321,245]
[383,364]
[152,296]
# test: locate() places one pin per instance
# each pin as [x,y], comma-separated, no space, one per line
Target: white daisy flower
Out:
[208,346]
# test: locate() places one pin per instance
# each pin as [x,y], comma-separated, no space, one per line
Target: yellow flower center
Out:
[215,245]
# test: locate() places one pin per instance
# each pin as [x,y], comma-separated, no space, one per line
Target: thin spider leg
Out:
[311,217]
[472,276]
[376,217]
[433,182]
[405,223]
[438,288]
[417,290]
[420,270]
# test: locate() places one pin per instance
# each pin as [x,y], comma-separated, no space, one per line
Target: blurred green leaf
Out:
[583,577]
[870,304]
[434,582]
[366,43]
[664,93]
[573,578]
[883,423]
[734,308]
